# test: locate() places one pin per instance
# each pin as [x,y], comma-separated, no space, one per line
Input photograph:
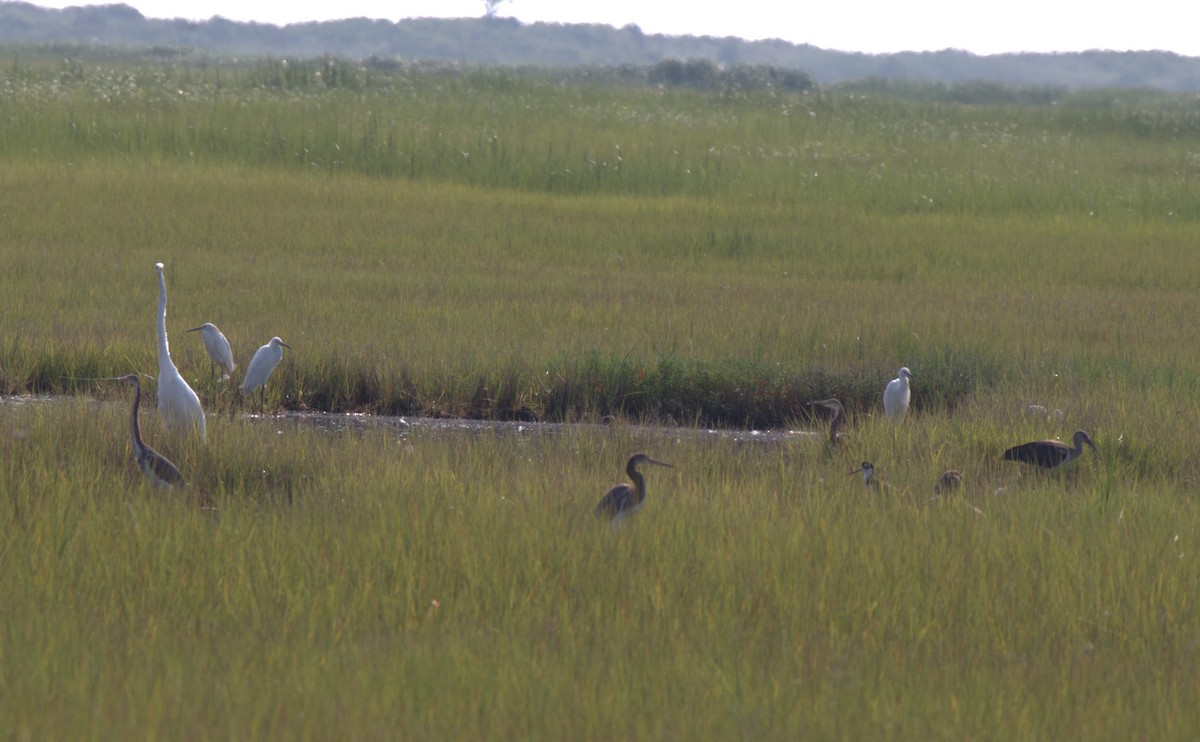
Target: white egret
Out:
[157,468]
[178,404]
[218,348]
[265,359]
[623,500]
[896,395]
[1050,454]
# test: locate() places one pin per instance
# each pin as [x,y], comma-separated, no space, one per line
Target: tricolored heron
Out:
[624,499]
[157,468]
[838,419]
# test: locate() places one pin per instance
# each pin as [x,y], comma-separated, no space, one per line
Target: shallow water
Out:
[358,423]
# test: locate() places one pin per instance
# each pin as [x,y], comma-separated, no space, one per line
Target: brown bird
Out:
[951,479]
[1050,454]
[838,419]
[624,499]
[157,468]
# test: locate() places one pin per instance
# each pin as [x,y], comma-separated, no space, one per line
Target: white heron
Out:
[157,468]
[896,395]
[624,499]
[178,404]
[1050,454]
[265,359]
[218,348]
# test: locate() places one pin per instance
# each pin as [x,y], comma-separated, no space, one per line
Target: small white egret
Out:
[157,468]
[178,404]
[218,348]
[1050,454]
[896,395]
[265,359]
[623,500]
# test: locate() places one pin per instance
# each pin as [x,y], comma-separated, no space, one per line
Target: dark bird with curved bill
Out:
[1050,454]
[624,499]
[951,479]
[157,468]
[837,420]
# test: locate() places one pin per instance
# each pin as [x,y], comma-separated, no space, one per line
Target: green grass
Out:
[467,243]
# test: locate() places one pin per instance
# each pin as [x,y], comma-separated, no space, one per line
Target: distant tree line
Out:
[696,61]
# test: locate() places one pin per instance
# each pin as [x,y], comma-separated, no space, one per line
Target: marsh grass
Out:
[492,245]
[435,585]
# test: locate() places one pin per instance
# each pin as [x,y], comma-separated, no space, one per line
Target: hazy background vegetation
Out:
[492,41]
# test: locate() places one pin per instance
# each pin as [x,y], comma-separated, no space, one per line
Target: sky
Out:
[872,26]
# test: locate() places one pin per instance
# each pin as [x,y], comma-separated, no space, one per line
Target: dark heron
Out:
[157,468]
[624,499]
[837,420]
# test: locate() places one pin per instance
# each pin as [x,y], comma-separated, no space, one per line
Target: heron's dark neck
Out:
[639,483]
[839,417]
[134,429]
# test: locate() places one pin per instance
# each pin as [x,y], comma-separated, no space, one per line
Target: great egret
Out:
[624,499]
[896,395]
[265,359]
[178,404]
[218,348]
[951,479]
[157,468]
[838,419]
[1050,454]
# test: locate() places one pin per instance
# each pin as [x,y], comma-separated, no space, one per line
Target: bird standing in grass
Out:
[624,499]
[896,395]
[1051,454]
[178,404]
[157,468]
[218,348]
[837,421]
[951,479]
[867,469]
[265,359]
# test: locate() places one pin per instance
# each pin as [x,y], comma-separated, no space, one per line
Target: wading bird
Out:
[838,419]
[624,499]
[868,471]
[951,479]
[178,404]
[160,471]
[896,395]
[218,348]
[261,365]
[1050,454]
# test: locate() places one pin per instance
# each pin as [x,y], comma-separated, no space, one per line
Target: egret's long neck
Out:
[164,353]
[135,430]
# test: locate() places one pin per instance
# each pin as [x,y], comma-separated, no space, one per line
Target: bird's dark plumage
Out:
[1050,454]
[624,499]
[157,468]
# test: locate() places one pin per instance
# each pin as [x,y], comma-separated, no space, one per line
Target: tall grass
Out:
[443,585]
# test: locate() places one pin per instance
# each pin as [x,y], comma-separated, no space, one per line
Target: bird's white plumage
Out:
[265,359]
[177,402]
[217,346]
[896,395]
